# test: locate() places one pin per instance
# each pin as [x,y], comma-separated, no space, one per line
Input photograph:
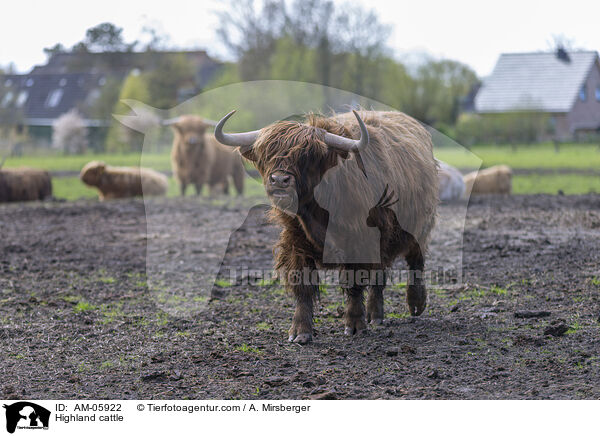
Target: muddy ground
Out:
[80,316]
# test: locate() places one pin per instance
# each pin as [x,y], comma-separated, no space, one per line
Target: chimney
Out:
[562,54]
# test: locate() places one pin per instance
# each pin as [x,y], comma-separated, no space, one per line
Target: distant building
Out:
[75,80]
[564,85]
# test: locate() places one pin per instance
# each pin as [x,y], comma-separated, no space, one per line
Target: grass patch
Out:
[266,282]
[84,306]
[498,290]
[107,280]
[399,285]
[106,365]
[573,328]
[395,315]
[245,348]
[263,326]
[223,283]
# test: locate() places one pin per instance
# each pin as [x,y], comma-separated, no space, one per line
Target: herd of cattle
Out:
[198,159]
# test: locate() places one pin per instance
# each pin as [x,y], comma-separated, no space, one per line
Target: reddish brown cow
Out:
[299,162]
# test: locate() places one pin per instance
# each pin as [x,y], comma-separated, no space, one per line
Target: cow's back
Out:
[399,156]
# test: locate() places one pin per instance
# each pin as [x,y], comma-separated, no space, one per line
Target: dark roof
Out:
[74,80]
[535,81]
[124,62]
[45,97]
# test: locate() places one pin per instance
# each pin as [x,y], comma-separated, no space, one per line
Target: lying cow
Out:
[296,158]
[493,180]
[451,183]
[123,182]
[24,184]
[198,159]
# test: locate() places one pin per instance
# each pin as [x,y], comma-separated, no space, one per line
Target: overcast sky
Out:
[473,32]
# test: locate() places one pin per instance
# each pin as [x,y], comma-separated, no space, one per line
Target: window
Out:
[29,83]
[54,98]
[62,82]
[21,98]
[93,96]
[7,99]
[582,94]
[598,93]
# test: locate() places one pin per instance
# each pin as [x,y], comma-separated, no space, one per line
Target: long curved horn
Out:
[346,144]
[245,139]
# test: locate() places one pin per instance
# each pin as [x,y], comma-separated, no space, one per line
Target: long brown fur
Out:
[399,156]
[123,182]
[24,184]
[203,160]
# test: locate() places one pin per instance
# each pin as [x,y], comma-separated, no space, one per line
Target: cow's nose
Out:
[280,180]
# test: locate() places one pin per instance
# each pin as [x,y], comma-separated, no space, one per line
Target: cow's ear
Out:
[177,128]
[334,156]
[248,153]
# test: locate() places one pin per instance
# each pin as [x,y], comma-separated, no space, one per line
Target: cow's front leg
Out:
[354,315]
[375,300]
[300,280]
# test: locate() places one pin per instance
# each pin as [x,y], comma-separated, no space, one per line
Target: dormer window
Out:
[54,98]
[21,98]
[598,93]
[8,97]
[583,93]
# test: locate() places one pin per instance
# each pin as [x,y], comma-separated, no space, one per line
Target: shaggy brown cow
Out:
[123,182]
[24,184]
[306,164]
[492,180]
[197,158]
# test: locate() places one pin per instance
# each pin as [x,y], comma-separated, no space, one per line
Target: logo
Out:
[26,415]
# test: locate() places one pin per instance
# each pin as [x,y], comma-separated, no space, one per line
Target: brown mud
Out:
[78,318]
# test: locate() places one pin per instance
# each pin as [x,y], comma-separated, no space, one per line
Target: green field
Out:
[578,156]
[574,156]
[71,188]
[158,161]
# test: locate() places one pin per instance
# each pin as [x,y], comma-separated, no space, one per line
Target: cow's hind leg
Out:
[416,293]
[375,299]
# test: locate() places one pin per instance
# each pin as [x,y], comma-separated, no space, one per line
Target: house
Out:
[564,85]
[75,81]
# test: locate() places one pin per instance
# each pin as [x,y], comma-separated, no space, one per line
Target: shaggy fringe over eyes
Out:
[290,141]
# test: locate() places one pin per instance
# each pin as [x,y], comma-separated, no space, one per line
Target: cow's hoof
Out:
[376,321]
[302,338]
[351,331]
[416,297]
[355,326]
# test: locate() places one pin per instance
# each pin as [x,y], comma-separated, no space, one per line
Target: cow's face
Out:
[291,160]
[92,173]
[190,131]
